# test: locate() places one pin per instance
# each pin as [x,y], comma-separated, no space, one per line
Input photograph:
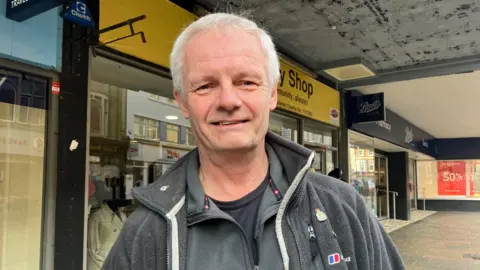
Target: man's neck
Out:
[232,176]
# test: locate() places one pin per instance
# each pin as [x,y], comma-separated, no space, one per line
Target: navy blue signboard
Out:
[366,108]
[20,10]
[401,132]
[78,13]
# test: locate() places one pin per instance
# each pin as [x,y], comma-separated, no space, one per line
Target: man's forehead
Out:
[217,44]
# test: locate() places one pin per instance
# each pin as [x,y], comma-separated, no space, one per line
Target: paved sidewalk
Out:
[391,225]
[444,240]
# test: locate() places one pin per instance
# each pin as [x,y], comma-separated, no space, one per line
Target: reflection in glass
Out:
[21,188]
[284,126]
[433,182]
[361,174]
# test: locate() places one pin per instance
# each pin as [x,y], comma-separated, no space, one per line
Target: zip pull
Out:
[311,232]
[313,241]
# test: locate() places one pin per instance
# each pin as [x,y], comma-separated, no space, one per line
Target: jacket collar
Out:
[286,159]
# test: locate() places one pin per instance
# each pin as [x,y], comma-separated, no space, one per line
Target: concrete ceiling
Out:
[445,107]
[390,35]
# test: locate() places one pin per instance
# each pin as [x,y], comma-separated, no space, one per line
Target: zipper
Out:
[249,250]
[313,241]
[296,243]
[169,246]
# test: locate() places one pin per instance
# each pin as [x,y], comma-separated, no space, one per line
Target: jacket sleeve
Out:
[361,237]
[382,252]
[119,257]
[122,255]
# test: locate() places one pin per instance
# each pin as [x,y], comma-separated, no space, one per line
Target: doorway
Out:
[381,184]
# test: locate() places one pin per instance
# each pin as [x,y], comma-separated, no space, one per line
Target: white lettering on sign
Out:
[425,143]
[81,12]
[408,135]
[385,125]
[366,107]
[16,3]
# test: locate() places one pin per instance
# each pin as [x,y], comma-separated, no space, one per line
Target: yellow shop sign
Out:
[163,22]
[298,92]
[301,94]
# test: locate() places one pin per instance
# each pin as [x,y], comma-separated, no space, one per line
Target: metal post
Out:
[395,194]
[424,196]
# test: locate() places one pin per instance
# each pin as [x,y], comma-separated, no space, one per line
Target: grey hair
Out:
[224,21]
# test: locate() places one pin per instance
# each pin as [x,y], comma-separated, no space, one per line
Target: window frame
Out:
[103,114]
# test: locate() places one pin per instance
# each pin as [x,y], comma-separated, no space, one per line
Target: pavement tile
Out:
[440,241]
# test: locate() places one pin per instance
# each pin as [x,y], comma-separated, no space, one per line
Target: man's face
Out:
[227,96]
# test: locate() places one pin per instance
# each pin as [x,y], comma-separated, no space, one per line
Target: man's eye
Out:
[248,83]
[204,87]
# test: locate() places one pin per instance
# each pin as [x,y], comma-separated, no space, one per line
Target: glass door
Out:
[412,183]
[362,172]
[381,183]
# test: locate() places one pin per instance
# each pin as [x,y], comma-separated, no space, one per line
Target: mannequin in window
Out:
[104,226]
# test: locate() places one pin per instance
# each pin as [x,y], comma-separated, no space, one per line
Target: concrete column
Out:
[398,182]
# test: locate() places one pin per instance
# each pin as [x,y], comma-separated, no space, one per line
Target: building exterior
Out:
[69,153]
[30,62]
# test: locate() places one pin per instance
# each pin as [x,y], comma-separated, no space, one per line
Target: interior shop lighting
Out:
[171,117]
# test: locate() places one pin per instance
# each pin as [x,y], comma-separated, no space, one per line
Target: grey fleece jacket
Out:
[315,222]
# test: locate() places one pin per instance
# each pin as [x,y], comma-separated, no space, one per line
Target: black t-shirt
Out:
[245,212]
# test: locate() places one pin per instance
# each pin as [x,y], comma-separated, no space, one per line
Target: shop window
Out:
[361,152]
[146,128]
[32,101]
[284,126]
[173,133]
[448,178]
[98,114]
[8,96]
[361,165]
[190,140]
[317,134]
[22,154]
[371,153]
[371,165]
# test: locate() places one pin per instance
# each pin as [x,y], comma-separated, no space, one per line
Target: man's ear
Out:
[273,98]
[180,99]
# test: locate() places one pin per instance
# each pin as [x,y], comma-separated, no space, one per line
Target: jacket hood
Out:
[162,195]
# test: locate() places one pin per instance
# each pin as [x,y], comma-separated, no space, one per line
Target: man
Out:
[246,198]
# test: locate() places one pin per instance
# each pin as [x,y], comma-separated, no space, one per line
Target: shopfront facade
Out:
[30,54]
[384,157]
[452,183]
[135,131]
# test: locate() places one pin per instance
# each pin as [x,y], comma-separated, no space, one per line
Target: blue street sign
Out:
[78,13]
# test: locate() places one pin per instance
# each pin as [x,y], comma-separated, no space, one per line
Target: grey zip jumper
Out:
[313,222]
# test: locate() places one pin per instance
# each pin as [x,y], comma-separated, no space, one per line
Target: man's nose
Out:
[228,98]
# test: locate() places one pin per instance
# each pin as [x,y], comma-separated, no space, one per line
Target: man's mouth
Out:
[227,123]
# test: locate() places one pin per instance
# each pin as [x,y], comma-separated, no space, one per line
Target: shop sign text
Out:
[303,95]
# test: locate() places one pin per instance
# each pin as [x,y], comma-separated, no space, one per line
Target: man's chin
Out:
[234,145]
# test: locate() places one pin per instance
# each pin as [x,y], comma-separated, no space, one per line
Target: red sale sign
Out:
[452,178]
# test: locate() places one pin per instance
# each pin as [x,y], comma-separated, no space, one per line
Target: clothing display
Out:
[104,226]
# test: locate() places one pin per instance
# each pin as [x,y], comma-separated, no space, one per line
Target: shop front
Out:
[383,161]
[135,130]
[29,66]
[308,113]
